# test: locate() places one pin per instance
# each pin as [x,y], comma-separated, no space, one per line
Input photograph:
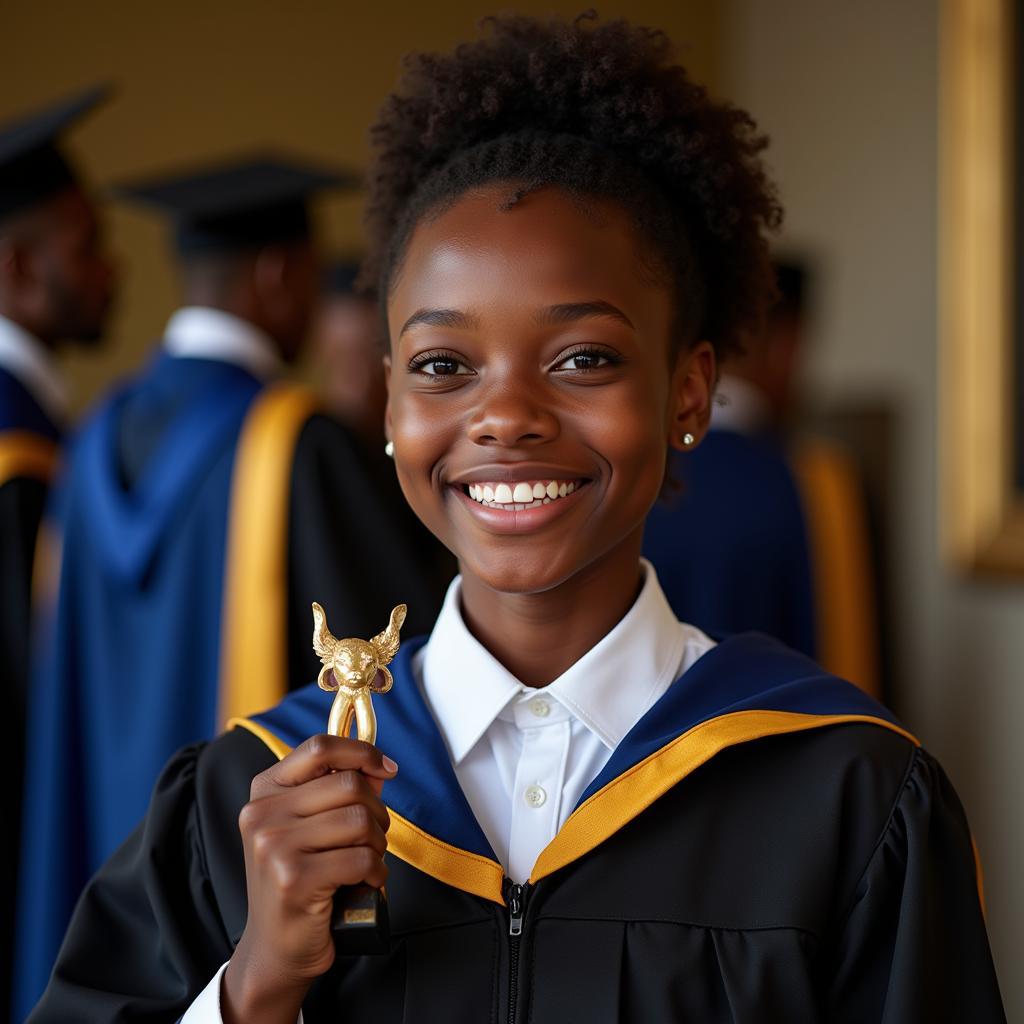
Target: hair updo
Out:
[601,111]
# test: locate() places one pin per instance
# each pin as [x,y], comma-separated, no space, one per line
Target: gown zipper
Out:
[516,896]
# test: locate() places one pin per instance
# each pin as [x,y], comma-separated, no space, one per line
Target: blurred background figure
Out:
[348,355]
[765,528]
[205,506]
[56,286]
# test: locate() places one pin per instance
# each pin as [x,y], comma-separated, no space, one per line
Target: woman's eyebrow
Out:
[568,312]
[454,318]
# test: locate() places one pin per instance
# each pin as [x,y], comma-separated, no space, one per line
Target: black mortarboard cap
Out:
[239,205]
[32,168]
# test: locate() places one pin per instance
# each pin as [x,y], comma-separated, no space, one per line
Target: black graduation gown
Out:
[28,450]
[767,844]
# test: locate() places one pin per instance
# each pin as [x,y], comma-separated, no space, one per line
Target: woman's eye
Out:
[584,361]
[441,366]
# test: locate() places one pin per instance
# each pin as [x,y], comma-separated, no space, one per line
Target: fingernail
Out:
[389,765]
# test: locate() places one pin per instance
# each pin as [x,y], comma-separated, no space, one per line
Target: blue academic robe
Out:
[731,543]
[19,410]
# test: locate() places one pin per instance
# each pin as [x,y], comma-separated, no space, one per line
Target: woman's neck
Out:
[537,637]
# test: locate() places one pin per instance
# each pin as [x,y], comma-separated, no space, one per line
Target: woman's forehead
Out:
[546,248]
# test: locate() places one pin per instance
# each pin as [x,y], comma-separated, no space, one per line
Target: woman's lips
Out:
[503,513]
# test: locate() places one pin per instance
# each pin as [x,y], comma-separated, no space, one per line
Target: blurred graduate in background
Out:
[348,355]
[56,286]
[206,504]
[764,528]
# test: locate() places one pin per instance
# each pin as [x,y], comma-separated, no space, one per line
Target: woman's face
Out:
[530,368]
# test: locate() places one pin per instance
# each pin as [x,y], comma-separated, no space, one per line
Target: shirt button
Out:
[540,708]
[535,796]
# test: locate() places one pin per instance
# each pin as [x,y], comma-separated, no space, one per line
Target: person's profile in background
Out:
[56,287]
[347,354]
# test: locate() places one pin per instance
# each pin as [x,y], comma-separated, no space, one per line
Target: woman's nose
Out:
[508,418]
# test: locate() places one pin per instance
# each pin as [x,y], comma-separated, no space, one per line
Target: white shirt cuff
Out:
[205,1009]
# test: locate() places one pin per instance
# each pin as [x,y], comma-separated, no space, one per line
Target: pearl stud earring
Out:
[688,439]
[389,449]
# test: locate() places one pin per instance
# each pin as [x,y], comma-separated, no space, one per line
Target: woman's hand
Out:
[314,822]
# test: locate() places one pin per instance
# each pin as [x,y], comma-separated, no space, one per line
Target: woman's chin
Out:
[515,574]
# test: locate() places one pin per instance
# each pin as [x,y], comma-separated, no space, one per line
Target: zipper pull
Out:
[515,909]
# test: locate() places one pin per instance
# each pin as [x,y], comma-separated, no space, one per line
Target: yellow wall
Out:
[199,80]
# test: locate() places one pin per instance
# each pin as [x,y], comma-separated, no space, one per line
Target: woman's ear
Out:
[693,386]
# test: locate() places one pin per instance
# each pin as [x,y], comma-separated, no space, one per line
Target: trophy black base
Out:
[359,922]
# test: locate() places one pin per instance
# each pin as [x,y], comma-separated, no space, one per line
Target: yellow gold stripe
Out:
[614,806]
[253,665]
[24,454]
[841,564]
[277,746]
[460,869]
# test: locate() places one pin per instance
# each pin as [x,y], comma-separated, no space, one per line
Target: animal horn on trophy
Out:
[324,644]
[386,643]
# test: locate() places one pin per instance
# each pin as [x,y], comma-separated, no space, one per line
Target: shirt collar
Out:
[28,359]
[608,690]
[201,332]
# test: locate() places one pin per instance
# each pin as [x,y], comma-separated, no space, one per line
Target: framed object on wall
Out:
[981,285]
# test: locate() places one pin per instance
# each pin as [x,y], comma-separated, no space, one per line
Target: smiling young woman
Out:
[531,351]
[602,813]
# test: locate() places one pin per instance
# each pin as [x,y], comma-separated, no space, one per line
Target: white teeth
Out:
[522,495]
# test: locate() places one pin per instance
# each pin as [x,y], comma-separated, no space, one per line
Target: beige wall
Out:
[849,94]
[202,79]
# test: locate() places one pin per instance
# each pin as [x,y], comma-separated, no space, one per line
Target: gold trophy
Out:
[353,670]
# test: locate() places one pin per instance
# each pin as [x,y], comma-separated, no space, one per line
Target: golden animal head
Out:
[355,663]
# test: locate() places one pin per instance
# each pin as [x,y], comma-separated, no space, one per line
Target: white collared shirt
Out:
[202,332]
[524,756]
[31,362]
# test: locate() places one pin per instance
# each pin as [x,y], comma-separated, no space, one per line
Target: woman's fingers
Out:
[328,870]
[320,755]
[274,845]
[340,789]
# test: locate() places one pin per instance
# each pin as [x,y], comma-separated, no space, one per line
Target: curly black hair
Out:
[602,111]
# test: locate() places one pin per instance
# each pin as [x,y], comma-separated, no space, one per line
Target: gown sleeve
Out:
[913,947]
[164,913]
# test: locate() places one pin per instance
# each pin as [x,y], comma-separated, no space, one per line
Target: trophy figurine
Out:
[353,670]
